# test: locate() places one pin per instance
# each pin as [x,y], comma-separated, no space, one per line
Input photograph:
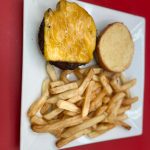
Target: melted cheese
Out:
[69,34]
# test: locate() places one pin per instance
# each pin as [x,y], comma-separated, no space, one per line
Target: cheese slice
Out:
[69,34]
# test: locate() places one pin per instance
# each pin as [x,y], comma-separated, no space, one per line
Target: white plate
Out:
[34,71]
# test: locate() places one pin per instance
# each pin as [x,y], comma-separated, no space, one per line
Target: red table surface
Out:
[11,31]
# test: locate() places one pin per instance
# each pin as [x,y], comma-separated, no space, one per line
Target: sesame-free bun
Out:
[115,47]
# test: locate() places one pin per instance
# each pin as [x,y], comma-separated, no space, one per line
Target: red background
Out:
[11,18]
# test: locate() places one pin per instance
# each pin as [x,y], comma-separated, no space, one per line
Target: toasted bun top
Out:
[116,47]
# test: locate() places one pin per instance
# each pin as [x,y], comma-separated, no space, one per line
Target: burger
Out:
[67,35]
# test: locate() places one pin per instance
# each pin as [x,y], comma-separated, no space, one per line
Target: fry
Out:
[95,78]
[45,108]
[59,125]
[97,102]
[86,103]
[63,88]
[129,101]
[38,121]
[127,85]
[122,117]
[101,110]
[115,109]
[115,98]
[123,87]
[56,83]
[75,99]
[86,124]
[45,86]
[70,113]
[51,72]
[123,109]
[60,143]
[68,106]
[124,80]
[96,86]
[36,106]
[100,131]
[106,100]
[63,96]
[123,124]
[52,114]
[105,83]
[86,81]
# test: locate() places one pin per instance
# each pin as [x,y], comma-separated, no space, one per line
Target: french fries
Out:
[86,82]
[63,88]
[86,124]
[38,120]
[68,106]
[56,83]
[51,72]
[86,104]
[59,125]
[105,84]
[60,143]
[93,104]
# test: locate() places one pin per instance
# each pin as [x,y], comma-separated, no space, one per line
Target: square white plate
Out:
[34,71]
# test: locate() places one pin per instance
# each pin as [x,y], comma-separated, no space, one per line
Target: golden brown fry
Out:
[124,80]
[97,102]
[86,102]
[127,85]
[70,113]
[96,86]
[75,99]
[121,117]
[63,88]
[61,142]
[51,72]
[105,83]
[101,131]
[96,78]
[129,101]
[79,104]
[86,81]
[45,108]
[115,98]
[68,106]
[52,114]
[34,108]
[45,87]
[115,109]
[56,83]
[108,74]
[123,124]
[79,82]
[63,96]
[124,87]
[101,110]
[37,120]
[106,100]
[59,125]
[123,109]
[57,133]
[86,124]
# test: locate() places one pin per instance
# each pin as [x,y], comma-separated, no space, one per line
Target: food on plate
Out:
[115,47]
[67,35]
[92,104]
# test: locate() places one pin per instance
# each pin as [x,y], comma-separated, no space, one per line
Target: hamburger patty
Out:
[59,64]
